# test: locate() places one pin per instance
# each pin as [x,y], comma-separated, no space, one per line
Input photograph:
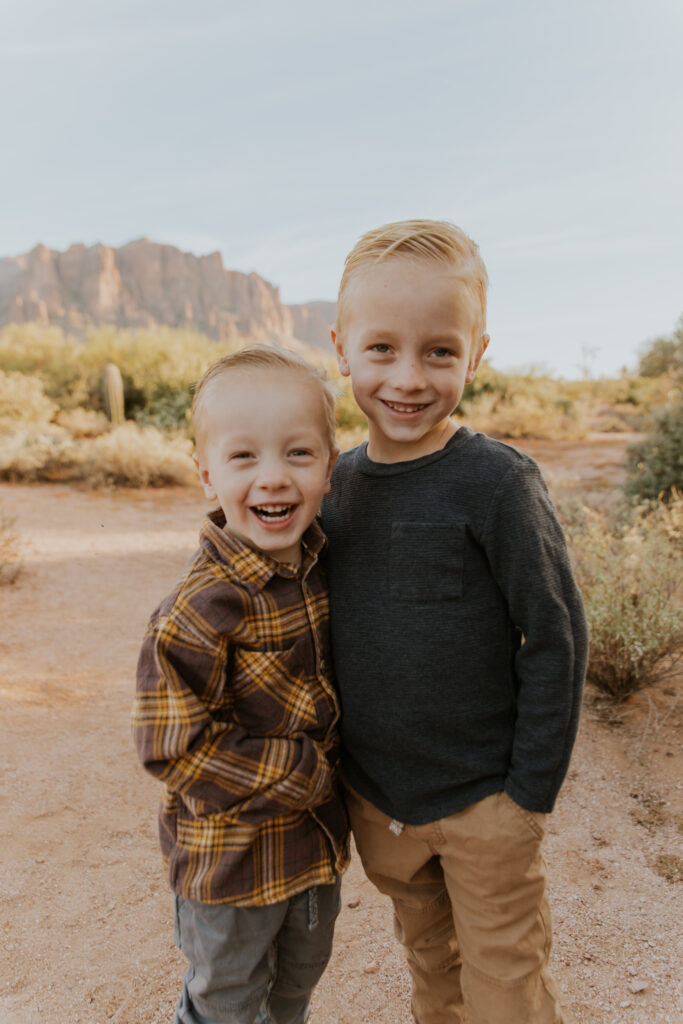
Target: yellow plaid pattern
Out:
[236,714]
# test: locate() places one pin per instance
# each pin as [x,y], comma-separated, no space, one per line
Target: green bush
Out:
[663,355]
[631,577]
[156,364]
[46,353]
[655,465]
[349,416]
[160,366]
[170,413]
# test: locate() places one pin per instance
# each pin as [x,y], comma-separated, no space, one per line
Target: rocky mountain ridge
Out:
[145,283]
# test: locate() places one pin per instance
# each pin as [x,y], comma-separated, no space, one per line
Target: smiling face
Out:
[263,453]
[411,341]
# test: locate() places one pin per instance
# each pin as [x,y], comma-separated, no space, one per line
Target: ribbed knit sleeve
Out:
[529,559]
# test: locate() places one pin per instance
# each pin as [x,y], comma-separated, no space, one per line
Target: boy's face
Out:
[263,454]
[410,343]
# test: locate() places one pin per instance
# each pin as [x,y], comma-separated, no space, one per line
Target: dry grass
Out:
[669,866]
[649,811]
[138,457]
[631,577]
[23,400]
[10,551]
[83,423]
[125,456]
[525,414]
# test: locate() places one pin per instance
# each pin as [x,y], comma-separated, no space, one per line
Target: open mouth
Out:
[273,513]
[404,407]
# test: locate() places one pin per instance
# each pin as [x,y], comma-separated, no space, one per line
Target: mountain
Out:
[312,322]
[143,284]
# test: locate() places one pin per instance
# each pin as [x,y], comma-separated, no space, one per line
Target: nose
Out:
[409,375]
[273,473]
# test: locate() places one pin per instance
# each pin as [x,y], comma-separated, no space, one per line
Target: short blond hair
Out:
[437,240]
[265,357]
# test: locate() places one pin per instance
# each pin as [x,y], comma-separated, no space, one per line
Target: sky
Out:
[279,133]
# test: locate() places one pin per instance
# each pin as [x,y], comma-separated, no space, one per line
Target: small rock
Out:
[625,1005]
[638,986]
[353,902]
[371,968]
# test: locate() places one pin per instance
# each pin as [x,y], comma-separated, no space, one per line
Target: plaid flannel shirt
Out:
[236,714]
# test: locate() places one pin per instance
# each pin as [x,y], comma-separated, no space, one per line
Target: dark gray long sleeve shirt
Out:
[459,636]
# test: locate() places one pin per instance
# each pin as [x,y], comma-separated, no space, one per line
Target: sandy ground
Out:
[85,914]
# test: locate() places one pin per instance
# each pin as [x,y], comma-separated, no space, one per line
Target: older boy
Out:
[458,634]
[235,710]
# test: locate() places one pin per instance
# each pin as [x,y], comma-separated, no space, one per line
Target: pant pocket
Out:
[534,820]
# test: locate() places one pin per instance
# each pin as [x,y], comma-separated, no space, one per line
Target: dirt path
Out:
[85,915]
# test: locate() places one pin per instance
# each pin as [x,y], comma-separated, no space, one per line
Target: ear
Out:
[204,478]
[333,458]
[342,362]
[476,356]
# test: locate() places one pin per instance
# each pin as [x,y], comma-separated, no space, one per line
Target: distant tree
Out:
[663,355]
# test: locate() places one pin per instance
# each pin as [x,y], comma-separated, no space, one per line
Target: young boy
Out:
[458,634]
[235,709]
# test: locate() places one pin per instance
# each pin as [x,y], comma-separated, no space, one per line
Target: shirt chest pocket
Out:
[426,561]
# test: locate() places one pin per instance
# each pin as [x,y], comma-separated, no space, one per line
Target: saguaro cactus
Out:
[112,392]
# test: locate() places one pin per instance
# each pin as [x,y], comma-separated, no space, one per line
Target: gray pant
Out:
[254,965]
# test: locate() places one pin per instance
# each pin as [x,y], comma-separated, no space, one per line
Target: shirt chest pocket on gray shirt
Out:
[426,561]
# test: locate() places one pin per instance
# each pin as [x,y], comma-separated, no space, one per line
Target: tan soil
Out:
[85,914]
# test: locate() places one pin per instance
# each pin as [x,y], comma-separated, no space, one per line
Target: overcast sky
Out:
[278,133]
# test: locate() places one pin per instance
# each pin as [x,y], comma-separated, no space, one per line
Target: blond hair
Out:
[264,357]
[437,240]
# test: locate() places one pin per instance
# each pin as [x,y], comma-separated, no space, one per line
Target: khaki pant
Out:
[470,909]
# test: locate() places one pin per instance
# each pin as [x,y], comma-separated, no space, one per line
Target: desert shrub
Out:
[523,414]
[82,423]
[663,355]
[49,354]
[160,366]
[350,417]
[487,381]
[127,455]
[10,551]
[137,457]
[37,452]
[170,413]
[155,364]
[631,576]
[626,402]
[523,405]
[23,400]
[609,421]
[655,465]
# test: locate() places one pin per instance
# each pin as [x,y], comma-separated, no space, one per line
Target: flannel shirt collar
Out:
[255,568]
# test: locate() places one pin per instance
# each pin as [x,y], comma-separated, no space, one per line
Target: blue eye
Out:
[380,347]
[442,353]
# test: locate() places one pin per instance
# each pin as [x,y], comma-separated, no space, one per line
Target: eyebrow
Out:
[379,335]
